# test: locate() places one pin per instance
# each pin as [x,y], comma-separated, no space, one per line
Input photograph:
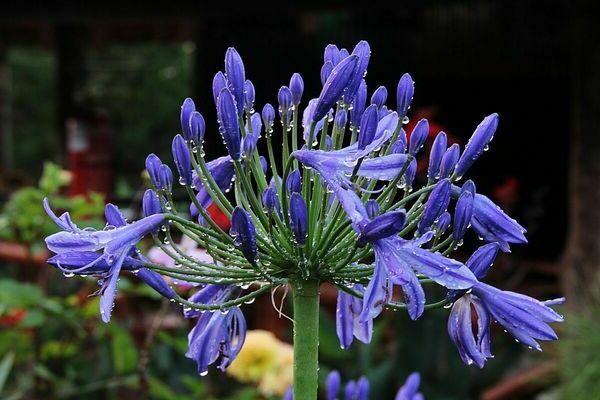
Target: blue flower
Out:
[219,83]
[348,324]
[296,88]
[379,96]
[151,203]
[449,161]
[435,156]
[358,105]
[404,94]
[410,389]
[368,127]
[284,98]
[332,385]
[209,295]
[244,234]
[298,218]
[335,86]
[228,123]
[222,171]
[181,156]
[293,183]
[462,215]
[187,108]
[436,204]
[153,164]
[418,136]
[477,144]
[249,95]
[217,336]
[236,76]
[268,116]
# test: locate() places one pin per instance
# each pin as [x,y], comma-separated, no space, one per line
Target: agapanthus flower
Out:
[359,390]
[410,389]
[339,204]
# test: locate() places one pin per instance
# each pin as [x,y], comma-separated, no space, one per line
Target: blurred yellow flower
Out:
[265,361]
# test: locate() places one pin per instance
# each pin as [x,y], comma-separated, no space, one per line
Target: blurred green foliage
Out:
[23,219]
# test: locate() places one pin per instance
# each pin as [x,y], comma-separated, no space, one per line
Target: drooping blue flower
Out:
[404,95]
[216,337]
[236,77]
[333,384]
[477,144]
[181,157]
[153,164]
[436,204]
[219,83]
[368,127]
[296,88]
[379,96]
[268,116]
[449,161]
[187,108]
[348,324]
[298,218]
[438,148]
[222,172]
[462,216]
[335,86]
[249,96]
[197,127]
[358,105]
[228,123]
[151,203]
[418,136]
[244,234]
[209,295]
[410,389]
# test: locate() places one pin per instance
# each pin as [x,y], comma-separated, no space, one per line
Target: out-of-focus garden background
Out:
[88,89]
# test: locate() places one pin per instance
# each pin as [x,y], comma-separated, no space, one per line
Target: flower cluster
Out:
[341,205]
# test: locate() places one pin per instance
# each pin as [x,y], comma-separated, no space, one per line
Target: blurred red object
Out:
[217,215]
[507,194]
[13,317]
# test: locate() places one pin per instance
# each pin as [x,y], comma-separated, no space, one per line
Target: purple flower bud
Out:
[268,116]
[477,144]
[328,143]
[165,177]
[435,156]
[404,95]
[372,208]
[411,172]
[187,108]
[197,127]
[482,259]
[270,200]
[399,146]
[244,234]
[326,70]
[249,143]
[363,388]
[350,390]
[368,127]
[468,186]
[343,54]
[332,54]
[156,282]
[382,226]
[298,218]
[449,161]
[228,123]
[443,223]
[151,203]
[340,120]
[363,52]
[236,76]
[263,164]
[181,156]
[284,97]
[436,204]
[462,215]
[379,96]
[418,137]
[332,385]
[249,95]
[335,86]
[358,105]
[294,182]
[219,83]
[153,164]
[297,88]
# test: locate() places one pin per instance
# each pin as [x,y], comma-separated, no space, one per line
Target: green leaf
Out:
[125,354]
[5,367]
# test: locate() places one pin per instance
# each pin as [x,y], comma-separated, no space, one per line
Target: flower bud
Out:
[399,146]
[328,143]
[340,120]
[249,144]
[372,208]
[411,172]
[151,203]
[294,182]
[244,234]
[449,161]
[482,259]
[350,390]
[219,83]
[468,186]
[462,215]
[436,204]
[236,76]
[379,96]
[443,223]
[270,200]
[181,156]
[263,164]
[228,123]
[363,52]
[418,137]
[153,164]
[197,127]
[268,116]
[368,127]
[358,105]
[249,95]
[477,144]
[156,282]
[363,389]
[187,108]
[165,177]
[326,70]
[284,97]
[296,88]
[404,95]
[333,384]
[298,217]
[332,54]
[343,54]
[335,86]
[435,155]
[382,226]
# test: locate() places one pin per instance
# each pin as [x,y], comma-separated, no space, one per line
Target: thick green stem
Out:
[306,339]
